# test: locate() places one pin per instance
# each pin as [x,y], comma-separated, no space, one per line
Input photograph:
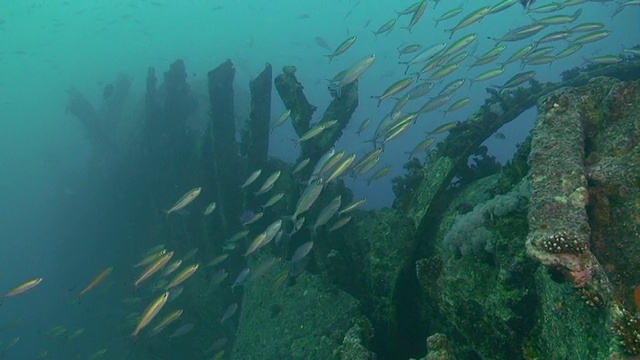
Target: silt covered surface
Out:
[305,318]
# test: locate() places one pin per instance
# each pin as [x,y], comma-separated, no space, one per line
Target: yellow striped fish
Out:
[103,274]
[185,200]
[27,285]
[154,267]
[152,310]
[182,276]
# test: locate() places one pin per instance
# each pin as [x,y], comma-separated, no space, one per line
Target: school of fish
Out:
[422,68]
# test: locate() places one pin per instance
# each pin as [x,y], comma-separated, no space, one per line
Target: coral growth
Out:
[627,326]
[469,233]
[563,243]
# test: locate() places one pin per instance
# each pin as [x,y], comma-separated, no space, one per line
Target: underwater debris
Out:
[559,196]
[340,110]
[220,149]
[256,139]
[292,95]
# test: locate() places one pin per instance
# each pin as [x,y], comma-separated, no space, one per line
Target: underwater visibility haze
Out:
[340,179]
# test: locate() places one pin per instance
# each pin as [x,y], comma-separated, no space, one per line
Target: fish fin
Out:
[451,31]
[183,212]
[290,218]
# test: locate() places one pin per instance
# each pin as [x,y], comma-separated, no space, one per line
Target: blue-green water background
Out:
[46,47]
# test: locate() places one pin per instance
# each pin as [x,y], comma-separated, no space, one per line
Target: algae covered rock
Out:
[367,260]
[481,279]
[305,318]
[479,283]
[583,218]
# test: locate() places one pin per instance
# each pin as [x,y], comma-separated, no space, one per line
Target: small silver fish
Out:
[281,120]
[217,260]
[317,130]
[274,199]
[253,219]
[231,310]
[182,330]
[352,206]
[269,183]
[209,209]
[353,73]
[340,223]
[254,175]
[241,278]
[327,213]
[308,197]
[302,251]
[301,165]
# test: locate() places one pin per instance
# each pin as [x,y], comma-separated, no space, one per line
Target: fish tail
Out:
[290,218]
[410,155]
[372,140]
[578,12]
[450,31]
